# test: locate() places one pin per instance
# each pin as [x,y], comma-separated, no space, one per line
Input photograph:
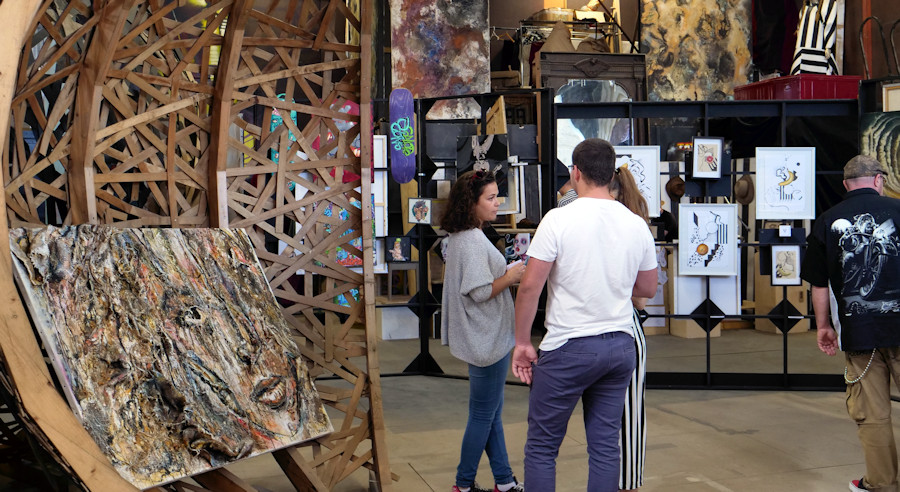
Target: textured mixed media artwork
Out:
[441,49]
[785,181]
[696,51]
[643,162]
[880,138]
[708,239]
[169,345]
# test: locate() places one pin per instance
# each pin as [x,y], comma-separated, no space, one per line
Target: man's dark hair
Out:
[596,159]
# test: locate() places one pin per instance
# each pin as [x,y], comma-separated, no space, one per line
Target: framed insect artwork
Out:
[785,183]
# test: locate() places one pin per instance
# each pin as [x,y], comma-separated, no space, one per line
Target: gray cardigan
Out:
[479,330]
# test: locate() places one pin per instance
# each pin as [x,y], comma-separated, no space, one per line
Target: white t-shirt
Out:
[597,248]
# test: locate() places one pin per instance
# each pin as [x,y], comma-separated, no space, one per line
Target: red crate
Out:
[801,86]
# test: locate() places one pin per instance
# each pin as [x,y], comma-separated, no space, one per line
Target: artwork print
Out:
[643,162]
[697,50]
[785,181]
[420,211]
[169,346]
[870,260]
[707,239]
[786,264]
[398,249]
[485,153]
[707,160]
[516,246]
[441,49]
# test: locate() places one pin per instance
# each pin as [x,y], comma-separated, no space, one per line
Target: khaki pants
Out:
[869,404]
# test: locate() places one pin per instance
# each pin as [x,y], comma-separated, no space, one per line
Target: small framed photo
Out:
[397,249]
[419,211]
[707,162]
[786,264]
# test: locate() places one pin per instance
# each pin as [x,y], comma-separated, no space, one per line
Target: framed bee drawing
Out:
[785,183]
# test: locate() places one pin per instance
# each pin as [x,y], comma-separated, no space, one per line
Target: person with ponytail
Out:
[477,322]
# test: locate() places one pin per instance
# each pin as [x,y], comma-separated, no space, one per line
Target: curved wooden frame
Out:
[134,125]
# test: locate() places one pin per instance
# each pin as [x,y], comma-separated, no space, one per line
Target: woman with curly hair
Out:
[477,322]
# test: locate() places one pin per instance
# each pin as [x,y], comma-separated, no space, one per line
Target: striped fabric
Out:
[633,435]
[816,38]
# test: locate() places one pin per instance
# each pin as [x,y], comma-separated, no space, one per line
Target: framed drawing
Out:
[485,153]
[707,236]
[512,203]
[785,183]
[707,157]
[397,249]
[786,264]
[419,211]
[643,162]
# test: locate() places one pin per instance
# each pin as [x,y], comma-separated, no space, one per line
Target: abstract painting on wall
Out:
[786,183]
[169,346]
[707,235]
[441,49]
[696,51]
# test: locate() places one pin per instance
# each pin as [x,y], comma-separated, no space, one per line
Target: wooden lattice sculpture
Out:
[147,113]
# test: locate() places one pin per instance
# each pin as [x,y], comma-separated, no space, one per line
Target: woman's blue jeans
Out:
[484,430]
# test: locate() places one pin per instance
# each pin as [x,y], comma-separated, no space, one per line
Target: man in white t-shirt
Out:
[597,255]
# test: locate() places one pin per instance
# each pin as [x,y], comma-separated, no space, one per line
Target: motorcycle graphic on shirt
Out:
[866,247]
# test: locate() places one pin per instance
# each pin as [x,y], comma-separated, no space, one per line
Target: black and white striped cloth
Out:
[816,38]
[633,434]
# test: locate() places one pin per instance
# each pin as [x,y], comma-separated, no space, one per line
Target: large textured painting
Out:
[441,49]
[697,50]
[169,345]
[880,138]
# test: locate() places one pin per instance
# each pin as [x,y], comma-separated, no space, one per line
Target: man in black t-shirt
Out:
[854,249]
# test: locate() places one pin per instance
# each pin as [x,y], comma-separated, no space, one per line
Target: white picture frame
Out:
[707,239]
[379,152]
[707,157]
[643,162]
[785,183]
[786,264]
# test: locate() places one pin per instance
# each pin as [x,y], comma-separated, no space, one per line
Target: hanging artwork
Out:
[708,236]
[168,344]
[785,183]
[420,210]
[879,134]
[786,264]
[707,160]
[441,49]
[643,162]
[485,153]
[697,50]
[398,249]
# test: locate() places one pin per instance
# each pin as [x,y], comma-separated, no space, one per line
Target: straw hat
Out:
[744,191]
[675,188]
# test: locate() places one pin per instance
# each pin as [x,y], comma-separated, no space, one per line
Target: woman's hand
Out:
[514,273]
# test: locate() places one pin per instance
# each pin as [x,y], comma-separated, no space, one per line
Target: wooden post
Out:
[373,368]
[221,114]
[88,94]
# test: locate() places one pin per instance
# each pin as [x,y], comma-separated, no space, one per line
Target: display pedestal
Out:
[688,328]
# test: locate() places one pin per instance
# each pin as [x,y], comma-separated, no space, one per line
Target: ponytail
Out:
[625,188]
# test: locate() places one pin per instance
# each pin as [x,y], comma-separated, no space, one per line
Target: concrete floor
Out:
[697,440]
